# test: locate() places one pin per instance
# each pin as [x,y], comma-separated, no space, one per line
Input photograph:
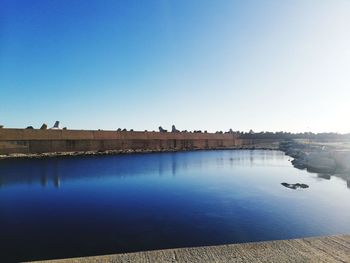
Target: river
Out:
[80,206]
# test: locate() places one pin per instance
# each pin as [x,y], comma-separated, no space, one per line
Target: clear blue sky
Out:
[210,65]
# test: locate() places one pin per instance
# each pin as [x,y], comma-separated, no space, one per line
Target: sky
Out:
[202,65]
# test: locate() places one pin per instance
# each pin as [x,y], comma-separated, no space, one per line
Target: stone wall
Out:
[46,141]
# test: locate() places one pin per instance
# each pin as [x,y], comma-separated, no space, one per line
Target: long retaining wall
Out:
[34,141]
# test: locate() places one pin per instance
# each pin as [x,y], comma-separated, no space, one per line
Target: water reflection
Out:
[56,181]
[125,203]
[55,171]
[345,177]
[324,176]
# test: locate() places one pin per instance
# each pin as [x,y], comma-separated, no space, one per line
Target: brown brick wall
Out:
[40,141]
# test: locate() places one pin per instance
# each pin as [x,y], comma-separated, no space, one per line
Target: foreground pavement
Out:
[319,249]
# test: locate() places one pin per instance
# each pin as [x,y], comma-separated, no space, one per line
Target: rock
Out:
[342,158]
[161,129]
[43,127]
[64,128]
[30,128]
[321,162]
[173,129]
[302,185]
[295,186]
[299,163]
[313,158]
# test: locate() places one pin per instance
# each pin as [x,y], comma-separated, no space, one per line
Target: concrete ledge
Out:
[320,249]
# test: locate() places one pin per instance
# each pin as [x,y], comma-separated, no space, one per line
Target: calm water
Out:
[71,207]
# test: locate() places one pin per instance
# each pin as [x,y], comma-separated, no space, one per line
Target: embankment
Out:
[36,142]
[317,249]
[315,157]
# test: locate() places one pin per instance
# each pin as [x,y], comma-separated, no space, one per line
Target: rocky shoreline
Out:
[318,158]
[126,151]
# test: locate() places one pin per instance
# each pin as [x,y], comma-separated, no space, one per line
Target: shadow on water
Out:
[345,177]
[324,176]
